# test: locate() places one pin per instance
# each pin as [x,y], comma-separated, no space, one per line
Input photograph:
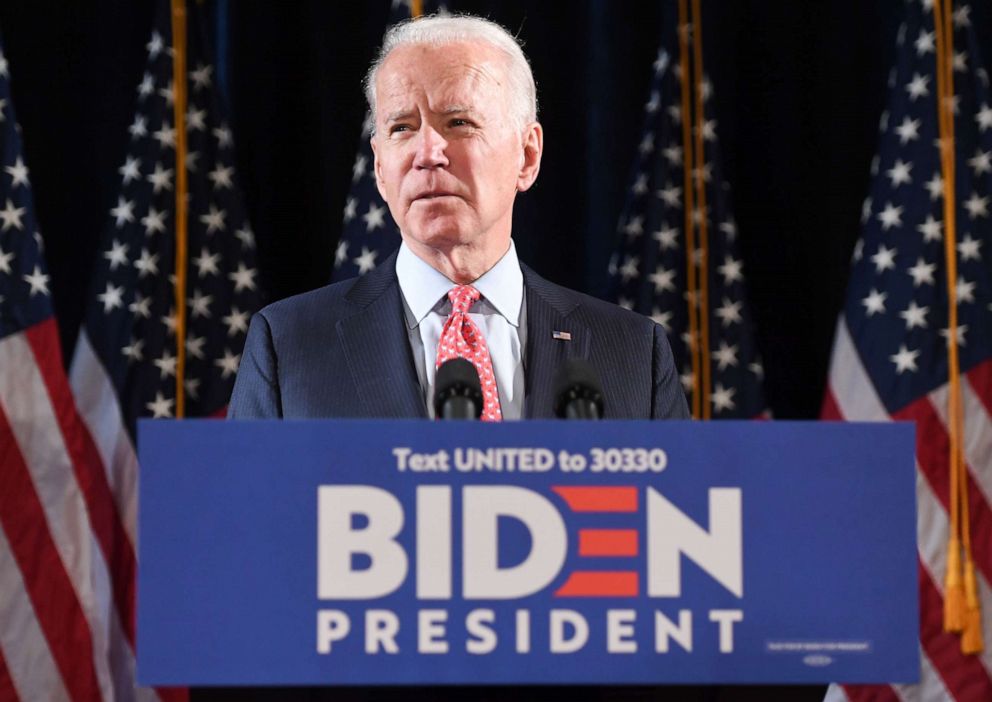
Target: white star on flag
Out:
[375,217]
[366,261]
[19,173]
[38,281]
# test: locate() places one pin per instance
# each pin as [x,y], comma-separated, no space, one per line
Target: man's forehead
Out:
[453,75]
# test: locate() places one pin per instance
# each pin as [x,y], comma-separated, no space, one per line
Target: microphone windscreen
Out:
[576,379]
[456,377]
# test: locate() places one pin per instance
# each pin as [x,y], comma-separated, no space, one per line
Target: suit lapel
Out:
[548,312]
[375,343]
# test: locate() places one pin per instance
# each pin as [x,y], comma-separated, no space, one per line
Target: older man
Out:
[456,138]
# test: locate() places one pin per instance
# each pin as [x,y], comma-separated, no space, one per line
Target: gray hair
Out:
[438,30]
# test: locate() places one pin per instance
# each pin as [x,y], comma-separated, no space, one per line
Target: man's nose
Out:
[431,148]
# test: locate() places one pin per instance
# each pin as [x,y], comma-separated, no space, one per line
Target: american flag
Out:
[125,362]
[649,269]
[67,561]
[368,233]
[890,356]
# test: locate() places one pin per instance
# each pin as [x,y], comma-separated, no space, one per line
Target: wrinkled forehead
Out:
[468,74]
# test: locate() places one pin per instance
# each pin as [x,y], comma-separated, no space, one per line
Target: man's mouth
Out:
[434,195]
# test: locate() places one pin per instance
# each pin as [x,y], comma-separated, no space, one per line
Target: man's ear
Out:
[530,162]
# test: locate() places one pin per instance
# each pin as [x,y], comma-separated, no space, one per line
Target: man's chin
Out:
[439,233]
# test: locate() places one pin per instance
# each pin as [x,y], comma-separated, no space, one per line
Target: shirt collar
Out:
[423,286]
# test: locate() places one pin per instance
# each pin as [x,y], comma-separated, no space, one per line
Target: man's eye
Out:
[399,128]
[460,123]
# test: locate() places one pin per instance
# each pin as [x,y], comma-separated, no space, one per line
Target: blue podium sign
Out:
[406,552]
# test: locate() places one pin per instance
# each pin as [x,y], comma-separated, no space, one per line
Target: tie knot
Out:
[462,297]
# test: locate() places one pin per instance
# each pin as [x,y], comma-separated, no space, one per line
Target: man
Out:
[456,138]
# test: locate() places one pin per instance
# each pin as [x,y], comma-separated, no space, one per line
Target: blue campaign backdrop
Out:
[228,578]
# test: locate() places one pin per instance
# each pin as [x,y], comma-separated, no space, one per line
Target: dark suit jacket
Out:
[343,351]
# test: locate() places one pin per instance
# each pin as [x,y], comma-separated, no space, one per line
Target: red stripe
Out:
[980,378]
[964,676]
[932,454]
[599,498]
[59,613]
[8,693]
[830,409]
[173,694]
[871,693]
[607,542]
[584,583]
[105,519]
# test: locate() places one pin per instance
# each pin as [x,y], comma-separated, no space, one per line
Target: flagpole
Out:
[699,170]
[687,186]
[179,112]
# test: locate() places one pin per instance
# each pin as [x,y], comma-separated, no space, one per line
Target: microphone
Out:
[577,392]
[457,390]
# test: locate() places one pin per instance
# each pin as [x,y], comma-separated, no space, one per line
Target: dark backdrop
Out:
[799,88]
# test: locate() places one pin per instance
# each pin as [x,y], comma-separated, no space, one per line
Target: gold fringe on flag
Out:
[962,608]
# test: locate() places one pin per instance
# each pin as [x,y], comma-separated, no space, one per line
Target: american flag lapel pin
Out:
[561,335]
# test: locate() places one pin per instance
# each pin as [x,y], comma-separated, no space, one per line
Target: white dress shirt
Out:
[499,313]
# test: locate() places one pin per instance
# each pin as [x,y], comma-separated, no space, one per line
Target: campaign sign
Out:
[405,552]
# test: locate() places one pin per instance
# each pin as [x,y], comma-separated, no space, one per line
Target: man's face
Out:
[449,156]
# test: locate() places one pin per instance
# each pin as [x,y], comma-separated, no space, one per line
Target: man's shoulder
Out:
[330,302]
[321,302]
[568,301]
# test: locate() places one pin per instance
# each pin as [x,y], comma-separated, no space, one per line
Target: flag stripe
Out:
[965,677]
[22,641]
[977,427]
[91,478]
[98,408]
[932,457]
[930,687]
[871,693]
[851,387]
[54,599]
[7,691]
[830,409]
[932,529]
[981,381]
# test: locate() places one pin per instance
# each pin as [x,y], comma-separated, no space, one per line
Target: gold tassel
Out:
[954,596]
[971,640]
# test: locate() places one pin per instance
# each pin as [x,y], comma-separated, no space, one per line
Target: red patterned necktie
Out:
[461,338]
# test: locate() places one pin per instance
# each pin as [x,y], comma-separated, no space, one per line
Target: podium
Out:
[405,552]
